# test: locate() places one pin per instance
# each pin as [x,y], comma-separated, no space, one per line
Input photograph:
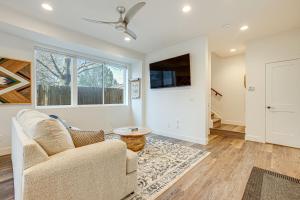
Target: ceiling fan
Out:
[122,23]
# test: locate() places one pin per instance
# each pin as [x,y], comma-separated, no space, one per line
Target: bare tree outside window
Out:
[97,83]
[53,74]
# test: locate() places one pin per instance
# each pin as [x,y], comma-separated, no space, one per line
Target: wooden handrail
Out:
[216,92]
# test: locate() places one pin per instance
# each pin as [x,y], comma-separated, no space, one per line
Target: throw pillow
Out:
[52,136]
[83,138]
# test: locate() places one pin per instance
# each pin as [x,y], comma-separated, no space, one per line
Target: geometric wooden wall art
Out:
[15,81]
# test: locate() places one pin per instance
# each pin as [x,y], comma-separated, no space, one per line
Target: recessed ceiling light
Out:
[127,39]
[244,28]
[232,50]
[186,8]
[47,6]
[226,26]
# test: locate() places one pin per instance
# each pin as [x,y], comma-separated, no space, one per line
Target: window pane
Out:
[114,84]
[89,82]
[53,78]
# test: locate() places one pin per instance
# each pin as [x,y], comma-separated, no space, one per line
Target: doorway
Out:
[228,94]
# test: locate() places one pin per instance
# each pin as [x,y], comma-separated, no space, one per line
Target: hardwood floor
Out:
[229,130]
[224,173]
[6,178]
[221,176]
[231,127]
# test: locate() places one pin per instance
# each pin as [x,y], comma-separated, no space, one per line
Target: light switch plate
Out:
[251,88]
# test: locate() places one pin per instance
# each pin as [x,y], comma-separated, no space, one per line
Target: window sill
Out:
[82,106]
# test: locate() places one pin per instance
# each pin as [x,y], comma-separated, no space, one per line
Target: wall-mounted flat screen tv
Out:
[173,72]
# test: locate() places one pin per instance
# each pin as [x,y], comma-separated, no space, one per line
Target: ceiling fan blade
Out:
[130,34]
[132,11]
[98,21]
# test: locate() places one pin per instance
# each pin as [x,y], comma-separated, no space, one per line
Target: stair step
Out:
[217,131]
[229,130]
[216,122]
[216,119]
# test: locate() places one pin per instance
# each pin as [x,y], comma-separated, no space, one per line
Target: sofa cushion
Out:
[83,138]
[52,136]
[49,133]
[131,161]
[28,119]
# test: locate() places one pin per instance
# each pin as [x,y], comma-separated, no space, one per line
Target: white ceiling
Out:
[161,23]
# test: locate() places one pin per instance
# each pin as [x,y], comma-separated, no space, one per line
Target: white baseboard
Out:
[255,138]
[202,141]
[5,151]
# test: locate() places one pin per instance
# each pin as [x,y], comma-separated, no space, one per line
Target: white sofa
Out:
[101,171]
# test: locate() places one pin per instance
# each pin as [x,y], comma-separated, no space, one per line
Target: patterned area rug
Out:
[267,185]
[160,164]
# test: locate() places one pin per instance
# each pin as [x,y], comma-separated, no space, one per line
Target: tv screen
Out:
[173,72]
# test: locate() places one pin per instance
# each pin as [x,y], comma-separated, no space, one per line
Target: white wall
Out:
[284,46]
[227,77]
[209,107]
[92,118]
[137,104]
[180,112]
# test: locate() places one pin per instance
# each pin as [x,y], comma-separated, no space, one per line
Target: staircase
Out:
[216,121]
[227,130]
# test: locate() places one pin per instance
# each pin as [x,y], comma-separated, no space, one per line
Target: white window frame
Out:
[74,86]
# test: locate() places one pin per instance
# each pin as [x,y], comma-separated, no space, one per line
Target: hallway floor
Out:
[229,130]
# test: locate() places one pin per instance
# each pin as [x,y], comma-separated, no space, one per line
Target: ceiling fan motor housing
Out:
[121,9]
[121,27]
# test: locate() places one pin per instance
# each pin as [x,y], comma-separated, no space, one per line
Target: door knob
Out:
[269,107]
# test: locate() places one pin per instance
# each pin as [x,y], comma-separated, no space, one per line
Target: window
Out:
[53,78]
[114,87]
[72,80]
[89,82]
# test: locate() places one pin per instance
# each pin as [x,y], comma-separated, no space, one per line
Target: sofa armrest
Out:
[96,171]
[131,162]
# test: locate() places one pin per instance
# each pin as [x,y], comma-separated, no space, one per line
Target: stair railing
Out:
[216,92]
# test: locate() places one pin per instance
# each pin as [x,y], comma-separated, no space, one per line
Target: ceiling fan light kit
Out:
[122,24]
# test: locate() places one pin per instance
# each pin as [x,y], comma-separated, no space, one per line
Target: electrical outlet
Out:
[177,124]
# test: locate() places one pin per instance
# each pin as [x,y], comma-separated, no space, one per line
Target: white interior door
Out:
[283,103]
